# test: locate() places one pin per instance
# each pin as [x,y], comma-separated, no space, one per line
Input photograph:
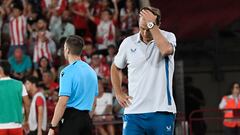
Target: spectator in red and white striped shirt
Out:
[43,46]
[18,29]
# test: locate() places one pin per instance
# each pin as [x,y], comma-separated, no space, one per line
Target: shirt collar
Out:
[139,39]
[5,78]
[74,62]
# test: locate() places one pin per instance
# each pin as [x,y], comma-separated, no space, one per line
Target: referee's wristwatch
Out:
[52,127]
[150,25]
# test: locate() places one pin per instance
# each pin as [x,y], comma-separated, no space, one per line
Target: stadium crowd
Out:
[33,33]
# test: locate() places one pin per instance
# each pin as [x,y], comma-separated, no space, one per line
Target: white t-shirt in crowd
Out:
[103,102]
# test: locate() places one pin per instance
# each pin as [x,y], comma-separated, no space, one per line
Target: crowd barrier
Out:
[212,114]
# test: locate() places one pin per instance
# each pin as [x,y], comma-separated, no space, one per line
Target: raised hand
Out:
[148,16]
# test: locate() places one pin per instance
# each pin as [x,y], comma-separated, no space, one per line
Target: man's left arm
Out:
[40,119]
[162,43]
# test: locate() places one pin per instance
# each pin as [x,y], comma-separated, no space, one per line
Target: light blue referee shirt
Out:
[79,82]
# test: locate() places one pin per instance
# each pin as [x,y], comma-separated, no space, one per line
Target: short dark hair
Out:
[49,73]
[18,5]
[33,80]
[232,85]
[75,44]
[155,11]
[6,67]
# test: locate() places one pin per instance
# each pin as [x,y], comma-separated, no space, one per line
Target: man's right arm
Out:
[116,78]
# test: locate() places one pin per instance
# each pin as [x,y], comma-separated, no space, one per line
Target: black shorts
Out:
[75,122]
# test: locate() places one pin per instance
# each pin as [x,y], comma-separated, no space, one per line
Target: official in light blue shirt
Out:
[79,81]
[78,89]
